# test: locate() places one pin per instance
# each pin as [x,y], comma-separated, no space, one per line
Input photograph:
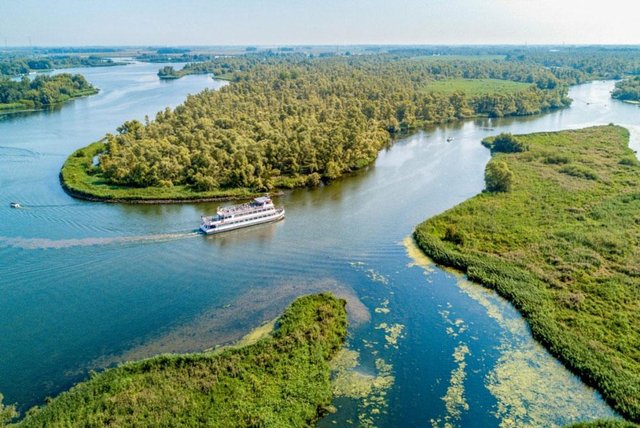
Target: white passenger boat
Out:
[260,210]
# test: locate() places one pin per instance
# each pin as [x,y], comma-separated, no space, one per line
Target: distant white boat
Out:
[15,205]
[449,139]
[260,210]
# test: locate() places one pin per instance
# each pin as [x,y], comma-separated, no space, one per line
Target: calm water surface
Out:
[87,285]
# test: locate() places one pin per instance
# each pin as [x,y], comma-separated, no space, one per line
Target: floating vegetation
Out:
[456,327]
[383,308]
[393,332]
[530,386]
[372,274]
[417,256]
[454,400]
[377,277]
[368,388]
[257,333]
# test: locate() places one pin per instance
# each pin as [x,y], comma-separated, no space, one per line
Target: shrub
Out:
[556,159]
[506,143]
[628,161]
[498,177]
[454,236]
[313,180]
[579,171]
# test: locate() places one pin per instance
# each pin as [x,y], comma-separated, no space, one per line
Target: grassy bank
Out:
[562,244]
[81,179]
[476,87]
[282,380]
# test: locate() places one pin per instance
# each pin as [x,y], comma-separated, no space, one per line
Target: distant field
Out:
[476,87]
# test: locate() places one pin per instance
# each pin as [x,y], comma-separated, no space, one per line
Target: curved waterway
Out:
[87,285]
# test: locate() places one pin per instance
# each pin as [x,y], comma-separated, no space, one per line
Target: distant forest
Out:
[43,91]
[17,66]
[573,64]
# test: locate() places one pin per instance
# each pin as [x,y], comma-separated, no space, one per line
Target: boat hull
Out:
[228,227]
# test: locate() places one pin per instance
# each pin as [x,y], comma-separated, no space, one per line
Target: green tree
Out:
[498,177]
[507,143]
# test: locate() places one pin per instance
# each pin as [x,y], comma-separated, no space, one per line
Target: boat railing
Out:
[245,208]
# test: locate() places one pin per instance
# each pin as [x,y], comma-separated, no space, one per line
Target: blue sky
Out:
[333,22]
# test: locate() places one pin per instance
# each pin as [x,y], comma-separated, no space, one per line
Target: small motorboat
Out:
[449,139]
[15,205]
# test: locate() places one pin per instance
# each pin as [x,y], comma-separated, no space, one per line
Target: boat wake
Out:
[27,206]
[46,243]
[6,151]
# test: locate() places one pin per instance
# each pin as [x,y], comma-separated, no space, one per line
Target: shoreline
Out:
[49,107]
[543,294]
[87,197]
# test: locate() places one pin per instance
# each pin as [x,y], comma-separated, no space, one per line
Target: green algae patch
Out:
[531,388]
[454,400]
[392,332]
[283,379]
[369,389]
[372,274]
[562,245]
[383,308]
[417,256]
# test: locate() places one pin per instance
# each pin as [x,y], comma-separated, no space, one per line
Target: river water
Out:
[87,285]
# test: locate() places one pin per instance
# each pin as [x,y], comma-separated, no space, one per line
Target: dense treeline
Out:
[43,91]
[292,121]
[572,64]
[185,57]
[16,66]
[280,381]
[627,89]
[562,245]
[584,63]
[228,66]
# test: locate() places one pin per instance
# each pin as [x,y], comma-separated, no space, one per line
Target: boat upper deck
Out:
[257,204]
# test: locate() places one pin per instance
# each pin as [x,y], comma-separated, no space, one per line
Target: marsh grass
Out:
[563,245]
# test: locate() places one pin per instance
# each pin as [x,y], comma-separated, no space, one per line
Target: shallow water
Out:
[85,285]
